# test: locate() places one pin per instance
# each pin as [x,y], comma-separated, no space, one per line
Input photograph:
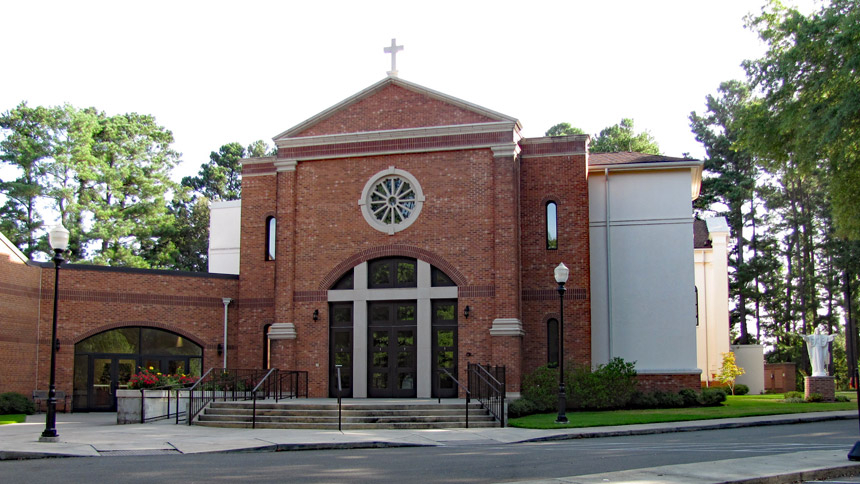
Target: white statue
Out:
[819,353]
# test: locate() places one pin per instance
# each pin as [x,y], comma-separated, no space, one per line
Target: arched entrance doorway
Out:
[392,328]
[104,362]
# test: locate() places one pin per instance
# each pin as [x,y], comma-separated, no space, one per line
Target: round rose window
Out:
[391,200]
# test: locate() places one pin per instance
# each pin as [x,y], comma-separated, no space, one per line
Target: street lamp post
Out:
[59,240]
[561,273]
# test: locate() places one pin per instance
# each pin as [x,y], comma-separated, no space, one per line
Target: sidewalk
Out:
[96,434]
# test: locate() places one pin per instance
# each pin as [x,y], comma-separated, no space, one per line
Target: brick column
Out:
[507,329]
[285,259]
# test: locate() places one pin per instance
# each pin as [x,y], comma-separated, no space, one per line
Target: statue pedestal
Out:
[823,385]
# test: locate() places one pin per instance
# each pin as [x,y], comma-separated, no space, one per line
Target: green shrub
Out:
[609,386]
[12,402]
[643,400]
[815,397]
[690,397]
[713,397]
[794,400]
[741,389]
[842,399]
[793,395]
[668,400]
[540,387]
[520,408]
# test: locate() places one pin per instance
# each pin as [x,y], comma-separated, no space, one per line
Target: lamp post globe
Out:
[58,237]
[561,273]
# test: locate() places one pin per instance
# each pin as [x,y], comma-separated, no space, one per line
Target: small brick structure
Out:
[824,385]
[780,377]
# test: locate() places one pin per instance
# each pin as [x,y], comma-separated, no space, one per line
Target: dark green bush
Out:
[842,399]
[668,400]
[712,397]
[643,400]
[741,389]
[520,408]
[815,397]
[793,395]
[609,386]
[540,387]
[690,397]
[12,402]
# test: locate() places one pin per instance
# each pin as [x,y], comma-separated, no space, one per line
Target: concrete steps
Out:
[354,416]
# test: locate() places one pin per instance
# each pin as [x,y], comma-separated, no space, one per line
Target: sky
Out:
[217,72]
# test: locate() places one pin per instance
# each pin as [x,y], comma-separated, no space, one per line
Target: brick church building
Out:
[397,233]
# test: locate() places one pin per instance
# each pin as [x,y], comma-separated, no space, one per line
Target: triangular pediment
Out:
[394,104]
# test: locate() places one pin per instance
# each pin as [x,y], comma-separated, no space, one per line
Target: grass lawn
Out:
[735,406]
[12,418]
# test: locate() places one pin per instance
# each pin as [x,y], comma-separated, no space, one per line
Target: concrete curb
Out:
[691,428]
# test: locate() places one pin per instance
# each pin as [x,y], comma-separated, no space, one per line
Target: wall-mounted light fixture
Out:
[467,311]
[316,314]
[220,349]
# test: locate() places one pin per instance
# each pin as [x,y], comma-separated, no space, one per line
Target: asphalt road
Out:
[460,462]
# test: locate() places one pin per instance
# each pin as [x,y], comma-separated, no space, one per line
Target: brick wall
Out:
[93,299]
[780,377]
[19,314]
[393,107]
[668,383]
[561,179]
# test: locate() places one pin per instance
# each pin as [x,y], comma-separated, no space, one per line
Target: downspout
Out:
[608,266]
[226,301]
[706,273]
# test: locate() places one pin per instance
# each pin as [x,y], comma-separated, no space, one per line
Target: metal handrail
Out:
[339,391]
[232,384]
[489,391]
[468,393]
[265,381]
[293,383]
[169,388]
[196,405]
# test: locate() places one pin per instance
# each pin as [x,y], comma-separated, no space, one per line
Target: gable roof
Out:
[631,161]
[489,115]
[630,157]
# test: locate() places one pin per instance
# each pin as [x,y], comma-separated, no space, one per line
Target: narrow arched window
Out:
[551,226]
[552,343]
[271,235]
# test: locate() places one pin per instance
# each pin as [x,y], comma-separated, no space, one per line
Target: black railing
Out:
[339,391]
[487,385]
[267,387]
[172,411]
[233,384]
[222,384]
[292,384]
[468,393]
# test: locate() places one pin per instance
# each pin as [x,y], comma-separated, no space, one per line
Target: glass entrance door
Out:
[392,368]
[108,374]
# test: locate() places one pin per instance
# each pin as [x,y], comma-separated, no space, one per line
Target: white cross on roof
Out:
[393,50]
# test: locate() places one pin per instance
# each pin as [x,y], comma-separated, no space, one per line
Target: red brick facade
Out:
[483,224]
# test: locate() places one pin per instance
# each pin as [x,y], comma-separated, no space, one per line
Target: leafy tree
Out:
[729,371]
[185,242]
[563,129]
[810,112]
[124,186]
[259,148]
[730,182]
[220,178]
[27,145]
[622,137]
